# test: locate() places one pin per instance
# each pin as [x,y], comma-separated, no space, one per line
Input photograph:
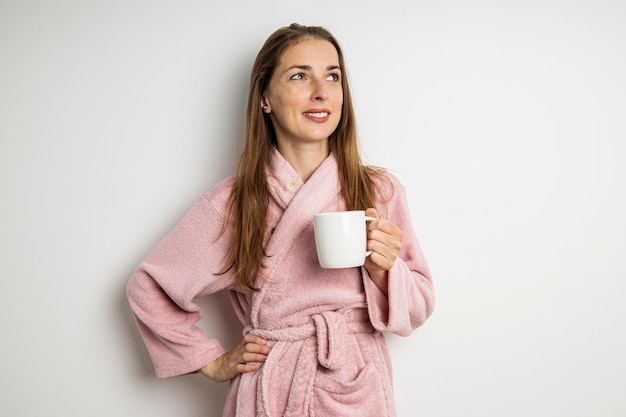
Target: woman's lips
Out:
[318,116]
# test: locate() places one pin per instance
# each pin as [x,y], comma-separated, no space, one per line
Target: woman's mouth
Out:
[318,116]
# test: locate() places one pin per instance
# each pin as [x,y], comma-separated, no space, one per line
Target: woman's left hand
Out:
[384,239]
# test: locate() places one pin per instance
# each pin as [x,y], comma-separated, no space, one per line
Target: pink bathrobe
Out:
[328,357]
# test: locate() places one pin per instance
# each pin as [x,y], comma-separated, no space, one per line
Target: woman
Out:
[312,341]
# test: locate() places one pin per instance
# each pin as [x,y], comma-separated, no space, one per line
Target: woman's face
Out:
[305,97]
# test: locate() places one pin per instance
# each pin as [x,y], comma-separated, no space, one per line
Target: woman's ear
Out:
[265,105]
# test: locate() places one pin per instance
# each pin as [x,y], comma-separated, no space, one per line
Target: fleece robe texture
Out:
[329,356]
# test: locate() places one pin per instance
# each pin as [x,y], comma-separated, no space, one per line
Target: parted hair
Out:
[250,197]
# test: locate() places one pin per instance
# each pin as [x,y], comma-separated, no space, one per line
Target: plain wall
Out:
[504,119]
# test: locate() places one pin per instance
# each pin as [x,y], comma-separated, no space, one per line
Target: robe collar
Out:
[285,184]
[300,202]
[283,181]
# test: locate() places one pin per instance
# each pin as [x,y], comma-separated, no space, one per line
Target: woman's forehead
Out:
[310,52]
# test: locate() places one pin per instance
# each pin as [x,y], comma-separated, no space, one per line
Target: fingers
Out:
[254,339]
[245,357]
[249,354]
[254,349]
[384,240]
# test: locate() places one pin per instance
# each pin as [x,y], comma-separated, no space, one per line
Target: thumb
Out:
[372,212]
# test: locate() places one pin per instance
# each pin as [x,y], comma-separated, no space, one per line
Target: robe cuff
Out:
[377,302]
[192,366]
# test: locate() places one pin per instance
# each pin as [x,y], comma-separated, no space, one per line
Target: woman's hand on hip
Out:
[245,357]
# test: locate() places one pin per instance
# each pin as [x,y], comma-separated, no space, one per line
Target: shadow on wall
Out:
[222,145]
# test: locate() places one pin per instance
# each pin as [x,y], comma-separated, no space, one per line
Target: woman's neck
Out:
[304,158]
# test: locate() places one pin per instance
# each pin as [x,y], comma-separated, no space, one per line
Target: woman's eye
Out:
[333,77]
[298,76]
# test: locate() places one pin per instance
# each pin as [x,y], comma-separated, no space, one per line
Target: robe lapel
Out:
[312,197]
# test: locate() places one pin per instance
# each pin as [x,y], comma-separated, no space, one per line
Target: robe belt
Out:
[330,329]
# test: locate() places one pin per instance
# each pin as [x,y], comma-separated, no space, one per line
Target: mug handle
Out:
[369,219]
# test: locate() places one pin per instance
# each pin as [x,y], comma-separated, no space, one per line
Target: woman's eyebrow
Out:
[309,68]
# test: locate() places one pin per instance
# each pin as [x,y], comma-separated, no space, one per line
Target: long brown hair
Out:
[250,196]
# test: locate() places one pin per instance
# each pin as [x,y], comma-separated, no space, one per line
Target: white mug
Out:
[341,238]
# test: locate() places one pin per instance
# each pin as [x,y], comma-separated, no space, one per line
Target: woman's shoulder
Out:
[220,193]
[386,182]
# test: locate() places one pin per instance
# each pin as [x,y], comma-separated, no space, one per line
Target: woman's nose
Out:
[320,92]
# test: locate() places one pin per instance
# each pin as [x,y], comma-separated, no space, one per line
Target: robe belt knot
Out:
[330,328]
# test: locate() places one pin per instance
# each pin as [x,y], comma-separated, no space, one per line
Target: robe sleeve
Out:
[410,300]
[182,267]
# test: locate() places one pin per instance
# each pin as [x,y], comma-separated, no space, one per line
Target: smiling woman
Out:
[304,101]
[315,333]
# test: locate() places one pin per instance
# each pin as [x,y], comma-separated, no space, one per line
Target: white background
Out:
[504,119]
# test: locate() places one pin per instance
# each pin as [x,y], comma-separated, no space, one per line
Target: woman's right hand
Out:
[245,357]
